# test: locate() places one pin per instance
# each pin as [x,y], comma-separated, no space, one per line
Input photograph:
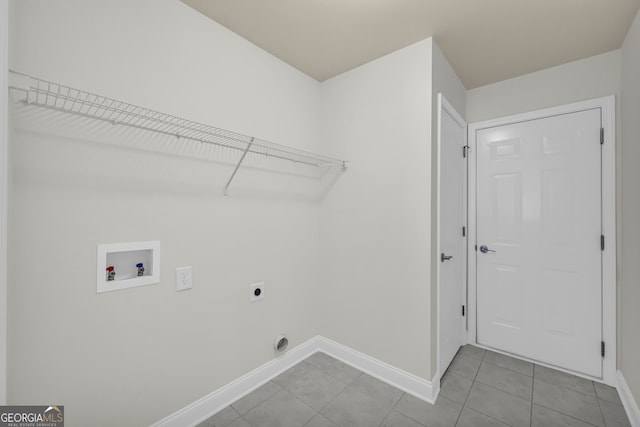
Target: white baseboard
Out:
[409,383]
[202,409]
[630,405]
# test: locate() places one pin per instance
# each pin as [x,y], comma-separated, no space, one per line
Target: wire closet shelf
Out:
[59,97]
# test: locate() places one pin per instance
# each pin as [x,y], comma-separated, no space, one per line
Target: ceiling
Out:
[484,40]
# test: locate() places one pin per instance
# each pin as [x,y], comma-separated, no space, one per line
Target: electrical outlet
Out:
[256,292]
[184,278]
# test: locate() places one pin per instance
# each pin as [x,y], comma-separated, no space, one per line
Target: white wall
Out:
[130,358]
[588,78]
[376,224]
[630,233]
[444,81]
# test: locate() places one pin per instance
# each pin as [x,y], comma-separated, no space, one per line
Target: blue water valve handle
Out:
[139,265]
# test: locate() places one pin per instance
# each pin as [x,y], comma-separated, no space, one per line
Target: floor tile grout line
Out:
[243,419]
[533,384]
[410,417]
[566,415]
[301,401]
[466,357]
[311,419]
[237,418]
[339,379]
[336,396]
[259,403]
[488,416]
[464,405]
[568,388]
[465,402]
[615,389]
[394,407]
[480,381]
[604,422]
[497,389]
[508,369]
[595,393]
[322,370]
[531,400]
[282,389]
[333,376]
[610,402]
[470,356]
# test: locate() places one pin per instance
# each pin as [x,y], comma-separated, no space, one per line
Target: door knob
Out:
[444,257]
[484,249]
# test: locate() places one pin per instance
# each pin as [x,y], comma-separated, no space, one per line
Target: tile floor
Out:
[481,388]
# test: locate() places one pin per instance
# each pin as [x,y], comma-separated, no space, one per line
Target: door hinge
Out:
[602,348]
[464,231]
[602,242]
[465,150]
[463,310]
[601,136]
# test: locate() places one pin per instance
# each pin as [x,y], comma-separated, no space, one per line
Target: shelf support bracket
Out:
[233,174]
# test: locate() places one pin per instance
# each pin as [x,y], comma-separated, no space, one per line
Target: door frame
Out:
[444,104]
[609,308]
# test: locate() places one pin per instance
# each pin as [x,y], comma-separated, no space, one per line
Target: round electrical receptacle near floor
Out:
[281,343]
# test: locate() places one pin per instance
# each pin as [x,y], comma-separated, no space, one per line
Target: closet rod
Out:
[58,97]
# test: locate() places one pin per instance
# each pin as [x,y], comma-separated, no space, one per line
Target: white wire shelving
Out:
[58,97]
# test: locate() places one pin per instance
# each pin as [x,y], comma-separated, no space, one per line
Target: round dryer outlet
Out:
[256,292]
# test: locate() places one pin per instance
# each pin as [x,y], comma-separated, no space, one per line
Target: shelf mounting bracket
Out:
[233,174]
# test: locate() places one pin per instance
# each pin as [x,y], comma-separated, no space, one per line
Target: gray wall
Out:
[630,229]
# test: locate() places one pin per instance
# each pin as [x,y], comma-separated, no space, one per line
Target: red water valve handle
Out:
[110,268]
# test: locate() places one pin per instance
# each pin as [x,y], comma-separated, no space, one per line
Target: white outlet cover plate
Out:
[252,292]
[184,278]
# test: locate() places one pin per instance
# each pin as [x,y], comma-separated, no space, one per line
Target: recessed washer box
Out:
[125,260]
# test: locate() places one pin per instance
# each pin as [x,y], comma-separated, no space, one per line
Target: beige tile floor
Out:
[480,388]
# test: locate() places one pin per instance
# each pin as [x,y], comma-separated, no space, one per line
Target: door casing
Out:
[607,105]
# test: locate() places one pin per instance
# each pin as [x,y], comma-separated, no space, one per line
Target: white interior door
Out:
[451,241]
[539,225]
